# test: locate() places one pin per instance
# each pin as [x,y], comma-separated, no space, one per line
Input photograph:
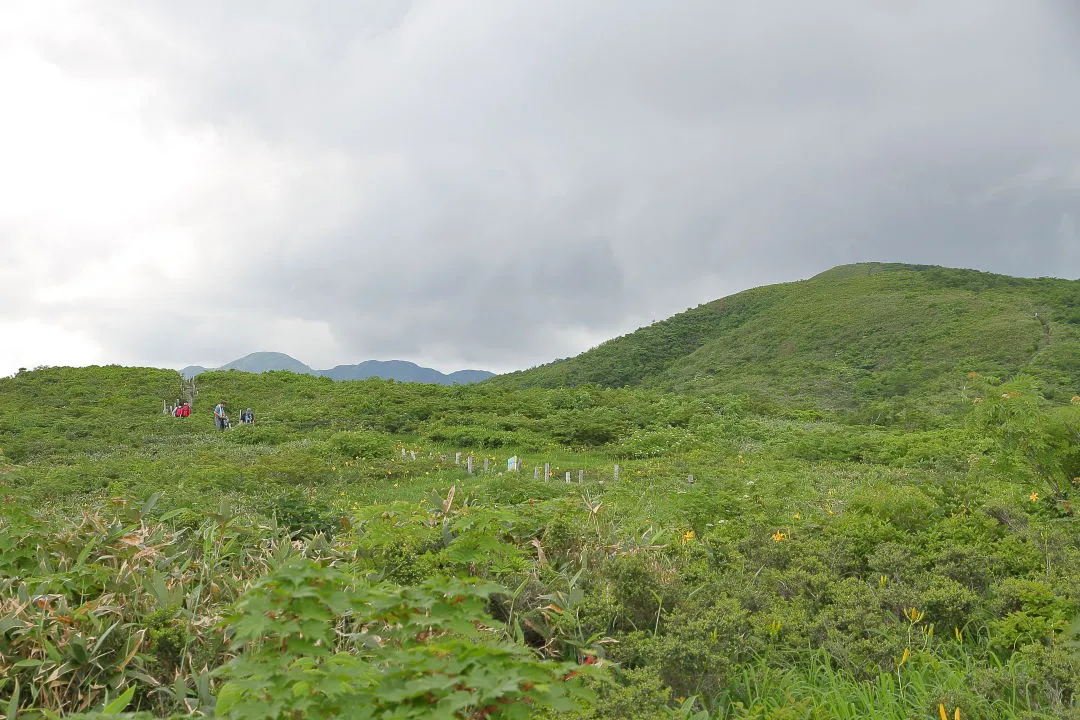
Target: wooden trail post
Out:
[567,476]
[468,464]
[412,454]
[581,476]
[485,464]
[457,458]
[402,452]
[547,471]
[536,473]
[690,480]
[616,478]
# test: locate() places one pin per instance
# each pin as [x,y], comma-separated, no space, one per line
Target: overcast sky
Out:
[497,183]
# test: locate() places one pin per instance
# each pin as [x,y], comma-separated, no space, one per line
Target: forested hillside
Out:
[878,341]
[339,559]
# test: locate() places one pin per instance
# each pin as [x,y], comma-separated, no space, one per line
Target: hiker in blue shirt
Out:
[221,420]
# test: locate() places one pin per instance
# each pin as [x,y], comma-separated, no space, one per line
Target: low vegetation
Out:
[335,560]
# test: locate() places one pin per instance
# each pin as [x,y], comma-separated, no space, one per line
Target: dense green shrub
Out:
[360,444]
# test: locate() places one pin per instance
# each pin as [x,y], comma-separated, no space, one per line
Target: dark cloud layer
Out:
[496,184]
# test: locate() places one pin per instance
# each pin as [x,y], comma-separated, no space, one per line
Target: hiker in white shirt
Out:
[221,420]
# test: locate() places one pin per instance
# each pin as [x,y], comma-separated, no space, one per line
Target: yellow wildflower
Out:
[914,615]
[1033,496]
[904,658]
[973,374]
[779,536]
[688,536]
[944,715]
[796,516]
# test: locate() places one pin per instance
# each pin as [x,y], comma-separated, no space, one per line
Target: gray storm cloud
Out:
[496,184]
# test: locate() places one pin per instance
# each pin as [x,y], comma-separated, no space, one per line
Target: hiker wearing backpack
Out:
[184,410]
[247,417]
[221,420]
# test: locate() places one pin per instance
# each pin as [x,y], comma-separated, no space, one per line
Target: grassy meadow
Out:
[309,566]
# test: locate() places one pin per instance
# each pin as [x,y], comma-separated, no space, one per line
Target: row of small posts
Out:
[188,391]
[515,464]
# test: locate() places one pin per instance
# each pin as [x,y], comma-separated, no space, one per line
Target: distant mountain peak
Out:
[400,370]
[192,370]
[258,362]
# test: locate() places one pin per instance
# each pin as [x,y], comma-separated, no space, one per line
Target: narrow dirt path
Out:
[1045,342]
[1045,322]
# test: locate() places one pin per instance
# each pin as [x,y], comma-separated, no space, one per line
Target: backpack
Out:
[184,411]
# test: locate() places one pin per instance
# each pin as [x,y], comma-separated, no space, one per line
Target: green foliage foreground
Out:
[306,567]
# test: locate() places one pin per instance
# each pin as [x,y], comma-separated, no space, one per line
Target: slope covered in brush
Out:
[856,336]
[865,571]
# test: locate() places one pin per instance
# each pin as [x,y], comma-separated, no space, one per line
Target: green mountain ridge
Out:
[849,339]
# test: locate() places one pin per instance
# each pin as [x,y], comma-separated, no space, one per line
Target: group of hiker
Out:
[221,418]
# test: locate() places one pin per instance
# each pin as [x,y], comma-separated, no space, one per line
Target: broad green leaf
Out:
[119,704]
[13,703]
